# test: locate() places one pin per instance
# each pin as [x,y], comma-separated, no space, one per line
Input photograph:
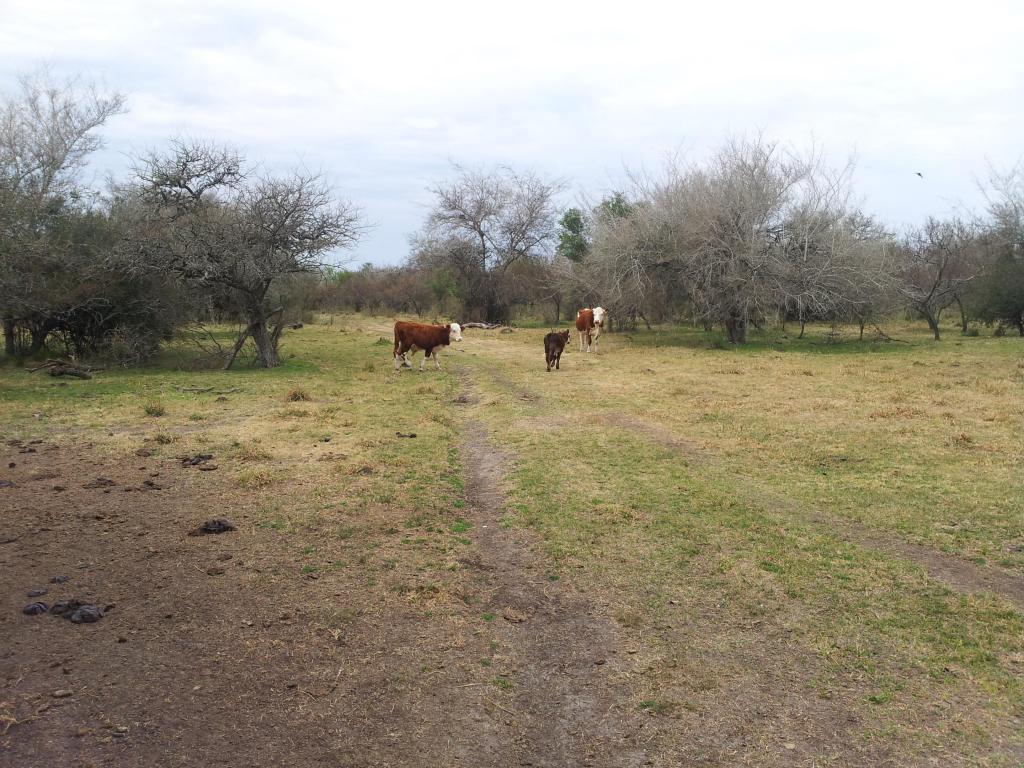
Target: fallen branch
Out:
[201,390]
[64,368]
[484,326]
[69,370]
[881,335]
[50,363]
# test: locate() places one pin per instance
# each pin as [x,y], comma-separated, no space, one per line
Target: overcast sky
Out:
[383,97]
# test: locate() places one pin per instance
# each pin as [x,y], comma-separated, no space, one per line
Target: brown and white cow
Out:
[589,323]
[554,344]
[412,336]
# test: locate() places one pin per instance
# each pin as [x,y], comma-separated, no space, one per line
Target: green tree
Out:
[572,241]
[48,130]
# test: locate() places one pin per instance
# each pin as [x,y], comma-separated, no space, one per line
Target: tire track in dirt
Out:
[569,704]
[963,576]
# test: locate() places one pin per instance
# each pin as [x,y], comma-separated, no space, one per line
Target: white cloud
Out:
[381,96]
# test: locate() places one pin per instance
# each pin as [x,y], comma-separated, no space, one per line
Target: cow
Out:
[589,323]
[554,343]
[412,336]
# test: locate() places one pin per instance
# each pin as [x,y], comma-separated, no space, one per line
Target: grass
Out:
[709,497]
[717,491]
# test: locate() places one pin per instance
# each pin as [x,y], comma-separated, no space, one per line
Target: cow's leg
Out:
[597,335]
[547,359]
[581,341]
[558,360]
[436,361]
[427,352]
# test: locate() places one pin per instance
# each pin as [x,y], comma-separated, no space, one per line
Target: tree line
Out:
[758,233]
[195,231]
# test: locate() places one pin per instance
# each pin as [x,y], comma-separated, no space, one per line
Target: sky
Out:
[384,97]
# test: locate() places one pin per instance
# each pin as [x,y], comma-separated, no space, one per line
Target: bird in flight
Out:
[919,174]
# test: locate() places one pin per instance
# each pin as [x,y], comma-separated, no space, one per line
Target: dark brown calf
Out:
[554,344]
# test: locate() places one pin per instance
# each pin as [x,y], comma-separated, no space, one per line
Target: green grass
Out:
[714,492]
[705,496]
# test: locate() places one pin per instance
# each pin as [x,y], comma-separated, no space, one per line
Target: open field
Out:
[797,553]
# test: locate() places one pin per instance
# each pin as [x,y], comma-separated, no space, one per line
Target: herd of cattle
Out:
[410,337]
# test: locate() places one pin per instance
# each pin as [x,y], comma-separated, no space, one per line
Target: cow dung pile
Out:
[75,611]
[217,525]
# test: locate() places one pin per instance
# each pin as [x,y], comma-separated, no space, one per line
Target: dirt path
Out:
[961,575]
[570,702]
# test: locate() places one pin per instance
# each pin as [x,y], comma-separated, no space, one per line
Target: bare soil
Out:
[215,650]
[571,702]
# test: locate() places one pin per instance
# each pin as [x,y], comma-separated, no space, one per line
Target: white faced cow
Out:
[589,323]
[412,336]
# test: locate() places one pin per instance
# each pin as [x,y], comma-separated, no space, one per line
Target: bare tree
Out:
[937,265]
[213,223]
[755,229]
[999,296]
[481,224]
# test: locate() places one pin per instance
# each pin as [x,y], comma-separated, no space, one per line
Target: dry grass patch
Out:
[154,409]
[801,631]
[257,477]
[251,452]
[293,413]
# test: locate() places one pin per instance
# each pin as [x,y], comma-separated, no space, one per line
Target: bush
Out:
[154,409]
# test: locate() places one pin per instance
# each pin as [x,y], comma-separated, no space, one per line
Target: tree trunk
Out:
[963,316]
[736,327]
[239,343]
[861,331]
[9,347]
[933,323]
[266,349]
[1020,325]
[265,341]
[802,324]
[39,332]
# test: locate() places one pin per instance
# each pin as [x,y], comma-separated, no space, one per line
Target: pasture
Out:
[796,553]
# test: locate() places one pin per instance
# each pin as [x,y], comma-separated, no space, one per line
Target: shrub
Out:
[297,395]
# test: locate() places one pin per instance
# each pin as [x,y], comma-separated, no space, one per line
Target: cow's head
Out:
[599,316]
[565,336]
[455,331]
